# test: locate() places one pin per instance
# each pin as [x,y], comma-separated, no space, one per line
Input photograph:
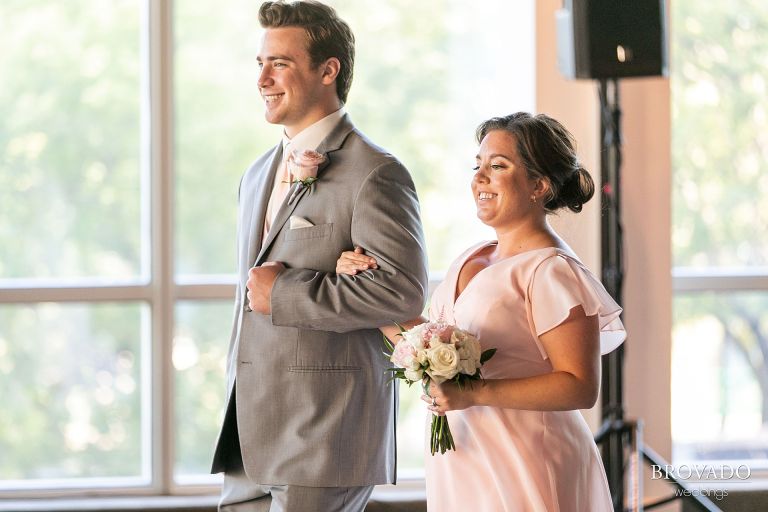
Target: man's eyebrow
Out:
[275,57]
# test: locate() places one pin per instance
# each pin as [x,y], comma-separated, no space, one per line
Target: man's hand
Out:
[260,282]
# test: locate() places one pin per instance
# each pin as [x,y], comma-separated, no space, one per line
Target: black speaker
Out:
[612,38]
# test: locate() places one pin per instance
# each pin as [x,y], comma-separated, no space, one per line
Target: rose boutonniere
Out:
[303,166]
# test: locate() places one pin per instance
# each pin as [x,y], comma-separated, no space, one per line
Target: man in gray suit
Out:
[310,421]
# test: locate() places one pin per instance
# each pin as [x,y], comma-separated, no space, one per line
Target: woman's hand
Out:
[352,262]
[448,397]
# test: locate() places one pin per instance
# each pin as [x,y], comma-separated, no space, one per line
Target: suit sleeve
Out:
[387,224]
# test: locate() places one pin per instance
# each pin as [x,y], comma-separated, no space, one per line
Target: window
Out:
[720,251]
[127,126]
[74,372]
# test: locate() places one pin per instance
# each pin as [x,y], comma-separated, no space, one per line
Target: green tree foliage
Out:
[70,388]
[720,186]
[719,138]
[199,354]
[69,140]
[69,190]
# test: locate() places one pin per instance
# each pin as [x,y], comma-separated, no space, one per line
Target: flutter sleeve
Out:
[560,283]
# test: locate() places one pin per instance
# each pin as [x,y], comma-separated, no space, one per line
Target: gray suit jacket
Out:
[313,404]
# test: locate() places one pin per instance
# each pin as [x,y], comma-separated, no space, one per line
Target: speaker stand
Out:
[621,442]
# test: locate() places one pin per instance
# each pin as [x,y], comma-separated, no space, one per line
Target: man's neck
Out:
[312,135]
[323,110]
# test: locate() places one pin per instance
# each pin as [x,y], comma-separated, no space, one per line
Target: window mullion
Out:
[160,141]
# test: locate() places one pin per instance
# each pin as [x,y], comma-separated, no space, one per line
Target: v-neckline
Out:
[455,295]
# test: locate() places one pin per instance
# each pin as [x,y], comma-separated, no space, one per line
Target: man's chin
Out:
[273,115]
[271,118]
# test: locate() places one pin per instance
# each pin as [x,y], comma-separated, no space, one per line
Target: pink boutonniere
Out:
[303,166]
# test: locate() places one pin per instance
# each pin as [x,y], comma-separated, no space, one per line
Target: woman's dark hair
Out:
[328,35]
[547,151]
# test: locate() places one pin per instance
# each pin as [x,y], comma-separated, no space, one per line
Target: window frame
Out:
[157,288]
[692,281]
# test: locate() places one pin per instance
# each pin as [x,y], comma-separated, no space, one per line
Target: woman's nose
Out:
[480,175]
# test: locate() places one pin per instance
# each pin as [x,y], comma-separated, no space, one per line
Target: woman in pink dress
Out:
[521,443]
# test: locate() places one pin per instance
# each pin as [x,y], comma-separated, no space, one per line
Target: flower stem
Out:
[441,438]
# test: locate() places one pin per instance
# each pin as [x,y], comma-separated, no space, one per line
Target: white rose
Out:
[443,362]
[459,335]
[414,375]
[467,366]
[421,356]
[469,348]
[435,340]
[414,336]
[404,356]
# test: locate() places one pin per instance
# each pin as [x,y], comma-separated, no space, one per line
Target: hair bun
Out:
[577,189]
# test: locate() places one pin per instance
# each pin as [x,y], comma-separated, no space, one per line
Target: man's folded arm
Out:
[386,223]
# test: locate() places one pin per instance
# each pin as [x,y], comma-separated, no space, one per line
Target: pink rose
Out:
[405,356]
[303,165]
[438,332]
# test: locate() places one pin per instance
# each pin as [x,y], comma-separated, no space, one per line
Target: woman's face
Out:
[501,186]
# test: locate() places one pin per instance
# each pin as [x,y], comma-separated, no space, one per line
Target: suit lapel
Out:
[262,190]
[331,143]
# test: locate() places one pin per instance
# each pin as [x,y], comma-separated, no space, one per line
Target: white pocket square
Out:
[298,222]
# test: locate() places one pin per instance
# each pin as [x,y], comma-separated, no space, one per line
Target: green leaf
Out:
[486,355]
[388,344]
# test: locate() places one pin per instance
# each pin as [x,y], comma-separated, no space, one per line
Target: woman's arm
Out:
[574,351]
[352,262]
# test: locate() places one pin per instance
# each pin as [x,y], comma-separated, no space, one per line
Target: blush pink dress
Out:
[510,460]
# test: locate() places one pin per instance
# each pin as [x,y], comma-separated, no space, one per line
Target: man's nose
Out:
[264,77]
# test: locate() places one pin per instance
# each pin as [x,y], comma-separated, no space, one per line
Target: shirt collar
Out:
[311,136]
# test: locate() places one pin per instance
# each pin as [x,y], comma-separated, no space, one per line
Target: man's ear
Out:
[331,68]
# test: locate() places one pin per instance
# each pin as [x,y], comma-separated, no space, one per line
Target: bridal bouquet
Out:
[437,351]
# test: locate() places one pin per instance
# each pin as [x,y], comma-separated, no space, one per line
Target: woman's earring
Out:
[533,198]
